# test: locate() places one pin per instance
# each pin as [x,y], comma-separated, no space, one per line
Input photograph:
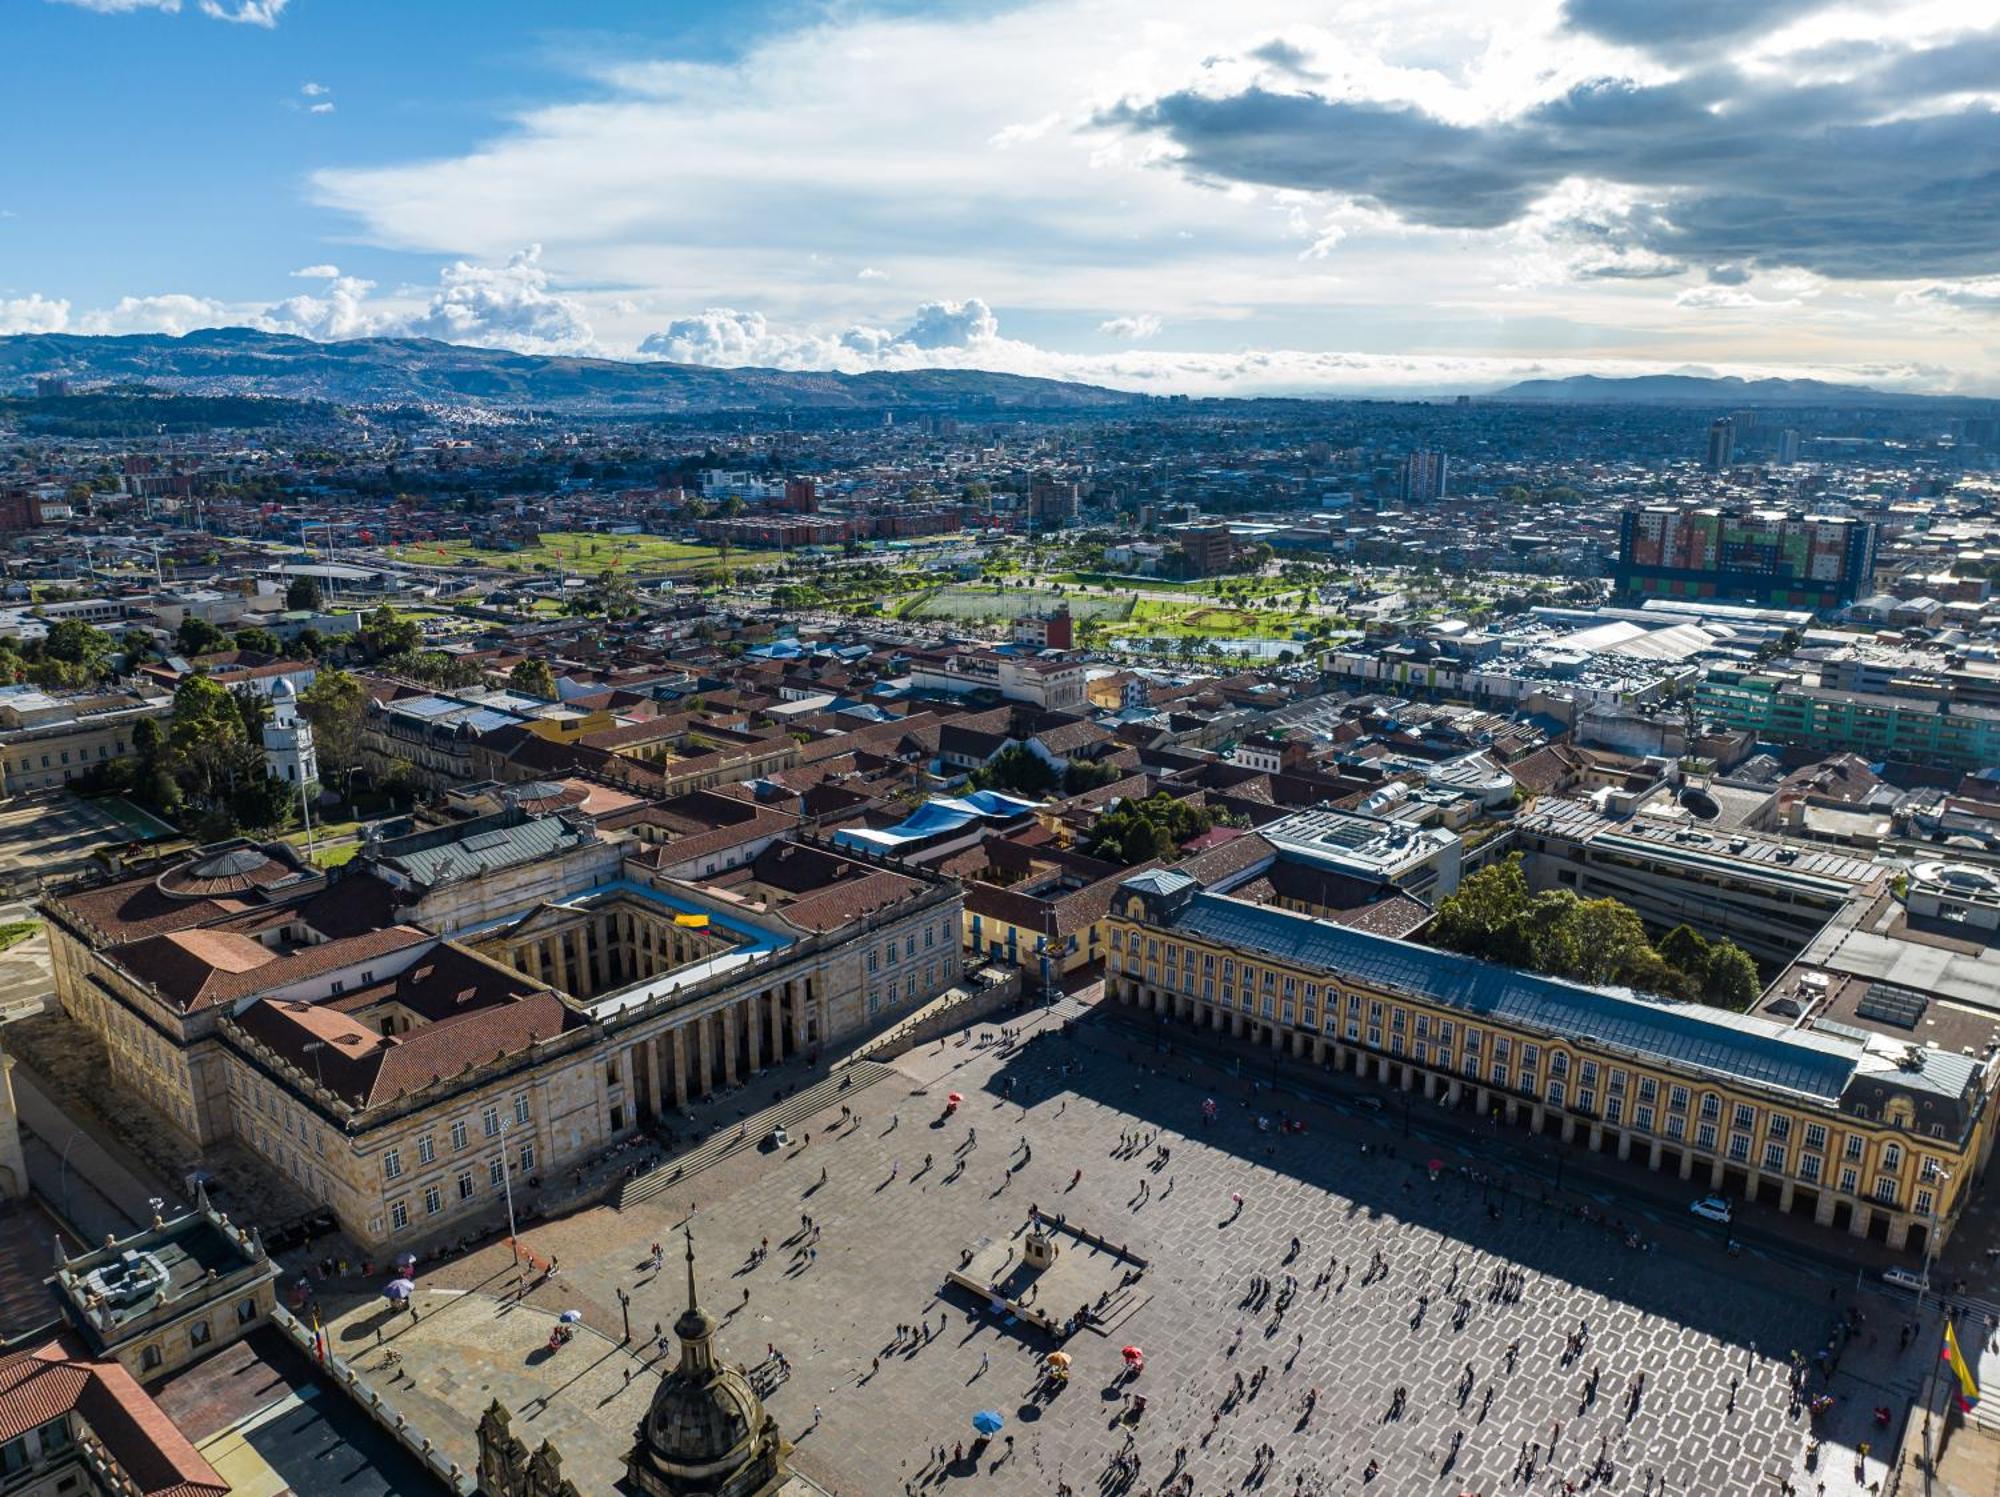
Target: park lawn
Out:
[334,857]
[14,932]
[1155,618]
[572,550]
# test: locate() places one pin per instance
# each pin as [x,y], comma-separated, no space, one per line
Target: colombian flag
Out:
[1968,1387]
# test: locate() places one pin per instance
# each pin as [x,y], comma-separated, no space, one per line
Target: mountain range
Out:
[1708,390]
[244,361]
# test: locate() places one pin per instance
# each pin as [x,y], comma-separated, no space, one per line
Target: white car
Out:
[1904,1278]
[1713,1208]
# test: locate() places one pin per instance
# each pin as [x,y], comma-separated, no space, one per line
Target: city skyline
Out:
[1423,197]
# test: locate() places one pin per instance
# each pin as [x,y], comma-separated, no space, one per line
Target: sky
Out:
[1263,196]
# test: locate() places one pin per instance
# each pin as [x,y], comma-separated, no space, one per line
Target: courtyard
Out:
[1422,1323]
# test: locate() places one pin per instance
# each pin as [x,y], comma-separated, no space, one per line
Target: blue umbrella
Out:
[397,1290]
[988,1421]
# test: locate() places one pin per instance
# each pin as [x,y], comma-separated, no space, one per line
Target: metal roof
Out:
[1736,1046]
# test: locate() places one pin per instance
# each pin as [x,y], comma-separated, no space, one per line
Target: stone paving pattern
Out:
[1690,1318]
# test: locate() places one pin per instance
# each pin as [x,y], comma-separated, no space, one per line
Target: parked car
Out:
[1905,1278]
[1713,1208]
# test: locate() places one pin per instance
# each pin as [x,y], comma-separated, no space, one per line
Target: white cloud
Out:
[509,306]
[951,324]
[175,312]
[1143,325]
[870,273]
[245,12]
[33,314]
[316,272]
[323,107]
[124,7]
[341,311]
[1732,299]
[314,90]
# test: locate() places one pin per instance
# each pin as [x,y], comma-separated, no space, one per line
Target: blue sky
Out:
[1271,195]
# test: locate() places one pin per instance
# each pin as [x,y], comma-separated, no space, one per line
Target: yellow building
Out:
[1864,1132]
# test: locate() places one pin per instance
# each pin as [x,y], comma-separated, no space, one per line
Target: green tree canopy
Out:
[388,634]
[262,640]
[303,593]
[197,636]
[336,705]
[74,642]
[534,678]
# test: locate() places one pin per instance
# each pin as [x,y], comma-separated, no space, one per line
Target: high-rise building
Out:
[1765,556]
[1788,445]
[1423,477]
[1721,443]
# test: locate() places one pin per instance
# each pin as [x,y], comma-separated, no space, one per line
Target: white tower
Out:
[288,742]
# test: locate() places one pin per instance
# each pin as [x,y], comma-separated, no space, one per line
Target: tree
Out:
[77,643]
[1683,947]
[264,803]
[386,634]
[303,595]
[1610,940]
[197,636]
[1017,769]
[533,678]
[1484,904]
[337,707]
[260,640]
[1731,980]
[207,750]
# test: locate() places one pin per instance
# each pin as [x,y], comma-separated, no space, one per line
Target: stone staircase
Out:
[845,1084]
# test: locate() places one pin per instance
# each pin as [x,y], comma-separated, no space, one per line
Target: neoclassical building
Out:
[408,1079]
[1863,1131]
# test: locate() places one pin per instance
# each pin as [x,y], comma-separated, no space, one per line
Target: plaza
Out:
[1406,1277]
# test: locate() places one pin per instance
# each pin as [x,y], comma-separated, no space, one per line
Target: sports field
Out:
[970,601]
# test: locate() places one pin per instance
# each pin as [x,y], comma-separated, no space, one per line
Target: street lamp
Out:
[62,1169]
[507,1188]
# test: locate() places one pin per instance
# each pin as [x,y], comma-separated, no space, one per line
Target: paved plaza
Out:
[1403,1281]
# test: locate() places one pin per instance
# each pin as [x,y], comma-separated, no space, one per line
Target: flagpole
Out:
[1930,1387]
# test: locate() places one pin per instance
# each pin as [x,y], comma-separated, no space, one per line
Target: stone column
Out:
[795,989]
[1715,1175]
[1624,1144]
[1687,1165]
[1823,1212]
[1899,1231]
[704,1056]
[1483,1100]
[1319,1050]
[677,1063]
[1863,1217]
[1538,1115]
[654,1053]
[753,1042]
[726,1021]
[1653,1153]
[1785,1197]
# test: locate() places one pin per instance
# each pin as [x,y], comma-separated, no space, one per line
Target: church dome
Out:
[706,1431]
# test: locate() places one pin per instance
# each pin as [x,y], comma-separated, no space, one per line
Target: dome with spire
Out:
[706,1432]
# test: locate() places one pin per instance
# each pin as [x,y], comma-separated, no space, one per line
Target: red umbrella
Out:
[954,1097]
[1134,1355]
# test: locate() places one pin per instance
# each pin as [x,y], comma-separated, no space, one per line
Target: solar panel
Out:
[1892,1005]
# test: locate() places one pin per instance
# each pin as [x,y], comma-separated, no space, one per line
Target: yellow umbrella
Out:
[1058,1359]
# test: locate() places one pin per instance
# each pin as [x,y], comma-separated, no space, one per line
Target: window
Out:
[1892,1156]
[14,1456]
[392,1164]
[426,1150]
[527,1157]
[1614,1110]
[521,1108]
[1924,1203]
[433,1200]
[1711,1105]
[1849,1181]
[1676,1126]
[1809,1168]
[1587,1100]
[246,1311]
[873,964]
[1704,1136]
[1649,1089]
[149,1359]
[1774,1156]
[458,1133]
[465,1186]
[496,1170]
[1931,1169]
[490,1118]
[199,1333]
[1781,1126]
[1746,1117]
[1643,1118]
[1677,1099]
[55,1438]
[1739,1146]
[1558,1063]
[1555,1093]
[1854,1146]
[399,1214]
[1885,1190]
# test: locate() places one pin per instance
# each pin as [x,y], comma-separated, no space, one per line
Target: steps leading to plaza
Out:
[851,1080]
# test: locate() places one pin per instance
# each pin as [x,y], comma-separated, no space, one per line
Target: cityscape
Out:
[1362,857]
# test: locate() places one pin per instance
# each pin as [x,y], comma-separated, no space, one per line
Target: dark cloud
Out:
[1728,275]
[1287,58]
[1682,26]
[1725,169]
